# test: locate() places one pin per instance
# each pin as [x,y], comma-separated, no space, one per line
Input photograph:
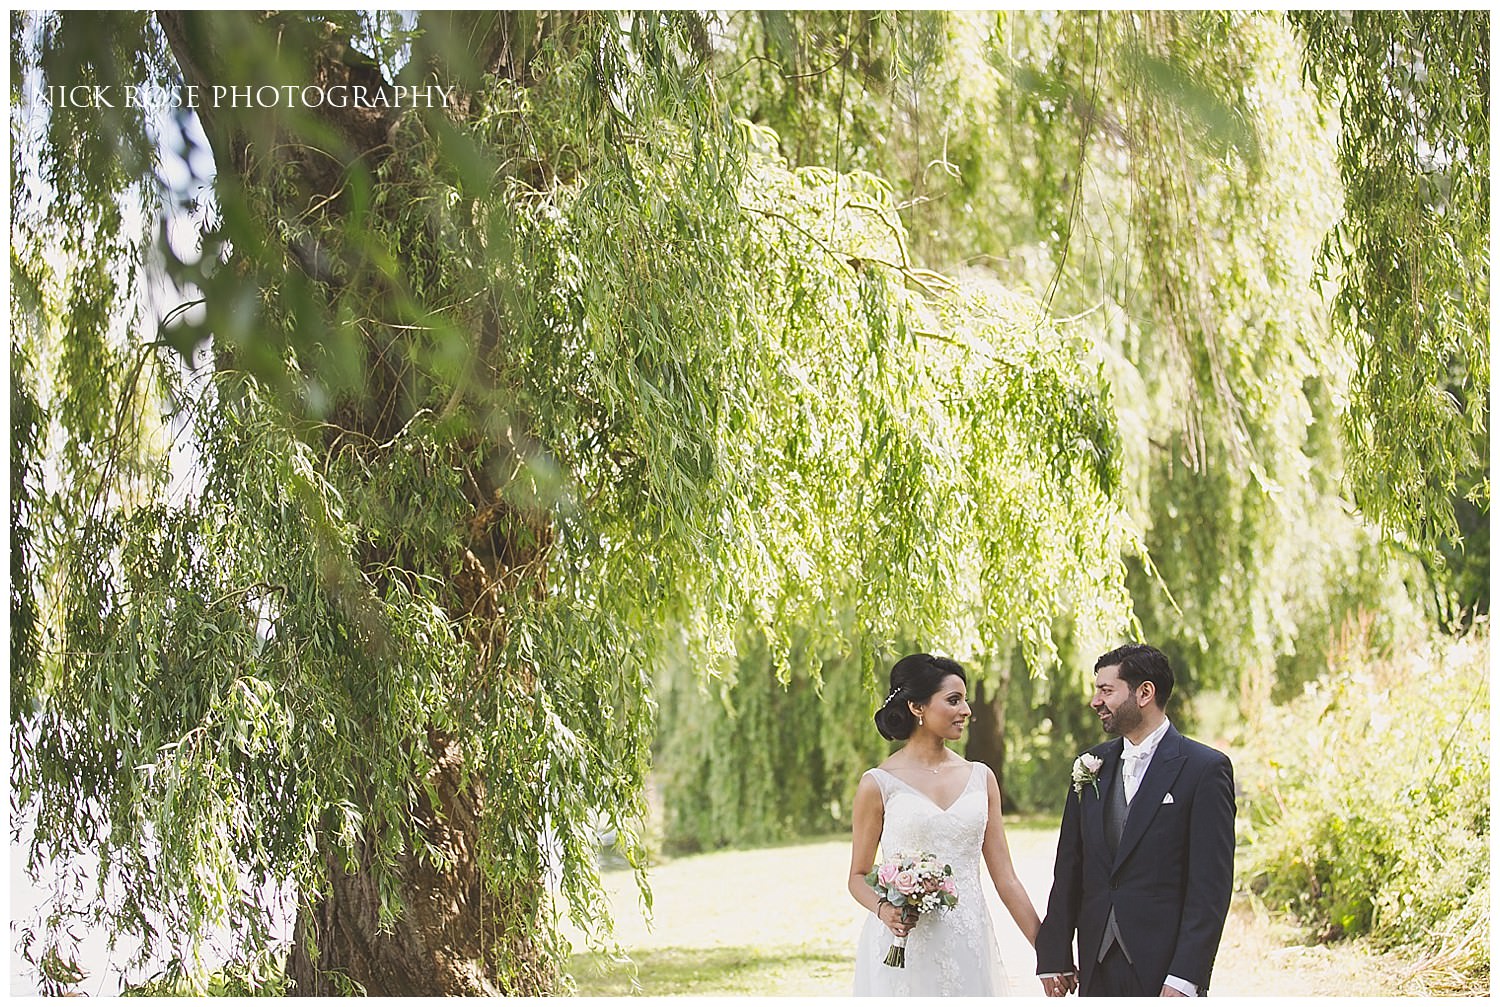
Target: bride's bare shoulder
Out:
[870,789]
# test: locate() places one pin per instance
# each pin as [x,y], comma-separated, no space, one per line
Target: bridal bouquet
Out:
[916,885]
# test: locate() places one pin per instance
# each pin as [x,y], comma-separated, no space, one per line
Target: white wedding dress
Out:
[950,953]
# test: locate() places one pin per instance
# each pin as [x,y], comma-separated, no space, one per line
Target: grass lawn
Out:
[716,972]
[715,932]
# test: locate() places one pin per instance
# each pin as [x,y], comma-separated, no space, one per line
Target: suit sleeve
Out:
[1054,941]
[1210,875]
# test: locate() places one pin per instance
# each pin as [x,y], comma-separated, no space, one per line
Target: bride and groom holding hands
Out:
[1145,854]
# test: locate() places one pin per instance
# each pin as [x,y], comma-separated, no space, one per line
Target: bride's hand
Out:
[895,920]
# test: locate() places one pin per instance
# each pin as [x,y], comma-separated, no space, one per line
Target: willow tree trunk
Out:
[986,742]
[450,935]
[437,946]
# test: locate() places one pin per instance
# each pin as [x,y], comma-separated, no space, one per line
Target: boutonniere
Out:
[1086,771]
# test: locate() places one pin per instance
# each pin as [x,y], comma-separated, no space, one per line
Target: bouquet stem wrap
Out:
[896,956]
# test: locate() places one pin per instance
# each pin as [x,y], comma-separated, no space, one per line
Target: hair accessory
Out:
[892,695]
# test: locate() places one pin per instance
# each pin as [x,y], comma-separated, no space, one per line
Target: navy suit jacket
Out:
[1170,880]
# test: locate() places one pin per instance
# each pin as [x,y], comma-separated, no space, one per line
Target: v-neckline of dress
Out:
[927,797]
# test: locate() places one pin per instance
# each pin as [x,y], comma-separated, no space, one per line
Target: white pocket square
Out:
[1167,800]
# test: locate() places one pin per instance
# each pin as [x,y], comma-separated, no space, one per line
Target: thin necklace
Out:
[934,769]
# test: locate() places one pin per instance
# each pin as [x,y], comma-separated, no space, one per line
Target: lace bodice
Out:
[951,953]
[915,823]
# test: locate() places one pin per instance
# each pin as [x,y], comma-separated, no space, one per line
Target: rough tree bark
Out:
[440,944]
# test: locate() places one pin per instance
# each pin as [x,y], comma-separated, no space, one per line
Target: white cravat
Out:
[1133,765]
[1137,759]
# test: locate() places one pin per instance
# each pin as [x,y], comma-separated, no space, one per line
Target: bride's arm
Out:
[1003,871]
[869,818]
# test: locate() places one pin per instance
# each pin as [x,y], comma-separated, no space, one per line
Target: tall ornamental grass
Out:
[1365,804]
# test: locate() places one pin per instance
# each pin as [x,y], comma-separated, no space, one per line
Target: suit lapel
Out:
[1166,763]
[1093,807]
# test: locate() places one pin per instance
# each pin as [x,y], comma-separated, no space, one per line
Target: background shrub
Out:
[1365,802]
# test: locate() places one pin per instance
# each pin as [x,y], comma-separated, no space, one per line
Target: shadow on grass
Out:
[713,971]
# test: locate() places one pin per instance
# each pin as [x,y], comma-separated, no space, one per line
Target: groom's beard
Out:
[1124,720]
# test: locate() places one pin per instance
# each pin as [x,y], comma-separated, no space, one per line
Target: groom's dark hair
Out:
[1139,663]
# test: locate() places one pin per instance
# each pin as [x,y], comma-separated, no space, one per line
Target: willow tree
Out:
[1172,183]
[1182,188]
[1305,261]
[349,534]
[1412,253]
[1009,134]
[1183,181]
[1164,180]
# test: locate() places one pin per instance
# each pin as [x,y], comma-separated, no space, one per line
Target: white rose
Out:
[1086,771]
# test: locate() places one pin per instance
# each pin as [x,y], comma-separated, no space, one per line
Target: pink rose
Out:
[907,883]
[949,887]
[887,874]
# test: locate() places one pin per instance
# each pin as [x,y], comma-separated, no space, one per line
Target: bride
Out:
[927,799]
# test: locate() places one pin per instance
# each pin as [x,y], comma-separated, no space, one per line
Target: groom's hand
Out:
[1168,991]
[1060,985]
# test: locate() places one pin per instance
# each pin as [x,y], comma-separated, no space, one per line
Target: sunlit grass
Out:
[715,972]
[777,921]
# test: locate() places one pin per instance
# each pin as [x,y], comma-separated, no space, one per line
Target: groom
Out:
[1145,861]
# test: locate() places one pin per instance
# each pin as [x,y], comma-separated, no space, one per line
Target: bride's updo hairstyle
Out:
[915,678]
